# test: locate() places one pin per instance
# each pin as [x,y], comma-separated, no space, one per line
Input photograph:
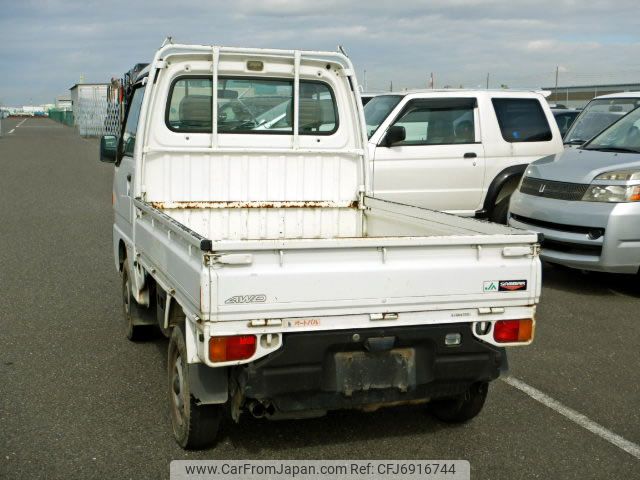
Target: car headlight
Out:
[612,193]
[624,175]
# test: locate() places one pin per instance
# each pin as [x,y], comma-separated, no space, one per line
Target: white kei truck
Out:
[245,230]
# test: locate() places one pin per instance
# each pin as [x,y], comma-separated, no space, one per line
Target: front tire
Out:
[500,211]
[463,407]
[194,426]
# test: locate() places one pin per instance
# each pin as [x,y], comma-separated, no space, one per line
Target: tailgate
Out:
[354,280]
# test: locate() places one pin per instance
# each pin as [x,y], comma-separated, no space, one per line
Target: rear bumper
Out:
[566,226]
[332,370]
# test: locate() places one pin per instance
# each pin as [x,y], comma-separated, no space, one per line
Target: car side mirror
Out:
[395,134]
[108,148]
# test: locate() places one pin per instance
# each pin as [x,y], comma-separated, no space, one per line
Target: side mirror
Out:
[108,148]
[395,134]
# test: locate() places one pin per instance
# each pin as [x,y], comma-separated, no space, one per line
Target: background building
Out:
[63,102]
[579,96]
[89,102]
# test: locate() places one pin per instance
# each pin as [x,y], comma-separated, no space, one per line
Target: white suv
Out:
[459,151]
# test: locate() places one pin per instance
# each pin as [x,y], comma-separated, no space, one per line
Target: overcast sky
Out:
[48,44]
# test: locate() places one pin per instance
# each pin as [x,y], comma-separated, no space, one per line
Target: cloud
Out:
[541,45]
[48,45]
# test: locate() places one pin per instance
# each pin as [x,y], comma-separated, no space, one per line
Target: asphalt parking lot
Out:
[78,400]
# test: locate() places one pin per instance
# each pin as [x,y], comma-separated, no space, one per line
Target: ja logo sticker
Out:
[490,286]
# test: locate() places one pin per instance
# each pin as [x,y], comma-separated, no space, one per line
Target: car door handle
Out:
[470,155]
[129,178]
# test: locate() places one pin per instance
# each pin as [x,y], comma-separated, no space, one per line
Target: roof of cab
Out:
[170,49]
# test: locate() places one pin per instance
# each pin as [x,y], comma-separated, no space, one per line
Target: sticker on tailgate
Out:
[504,286]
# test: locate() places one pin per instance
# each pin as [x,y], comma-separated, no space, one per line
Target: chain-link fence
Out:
[97,116]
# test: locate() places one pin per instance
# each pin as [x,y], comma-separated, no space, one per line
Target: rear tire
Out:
[463,407]
[133,312]
[194,426]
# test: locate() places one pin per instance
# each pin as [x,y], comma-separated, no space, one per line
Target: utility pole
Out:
[391,86]
[366,87]
[432,82]
[487,81]
[556,92]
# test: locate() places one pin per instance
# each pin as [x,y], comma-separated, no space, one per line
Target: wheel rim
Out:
[126,303]
[177,391]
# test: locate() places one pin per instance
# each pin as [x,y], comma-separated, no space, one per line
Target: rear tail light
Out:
[508,331]
[227,349]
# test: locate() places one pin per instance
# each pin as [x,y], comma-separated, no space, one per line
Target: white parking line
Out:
[21,123]
[580,419]
[12,130]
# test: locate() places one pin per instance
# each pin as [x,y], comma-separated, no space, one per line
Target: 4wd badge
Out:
[504,286]
[260,298]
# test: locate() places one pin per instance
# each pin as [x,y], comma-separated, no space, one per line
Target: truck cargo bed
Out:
[411,259]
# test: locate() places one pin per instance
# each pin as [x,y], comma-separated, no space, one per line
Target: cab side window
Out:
[442,121]
[131,123]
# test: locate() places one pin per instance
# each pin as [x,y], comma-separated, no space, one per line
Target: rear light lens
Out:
[508,331]
[227,349]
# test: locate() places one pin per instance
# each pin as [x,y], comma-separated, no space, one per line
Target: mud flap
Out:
[208,385]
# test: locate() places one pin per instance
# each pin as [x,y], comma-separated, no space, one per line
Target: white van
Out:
[459,151]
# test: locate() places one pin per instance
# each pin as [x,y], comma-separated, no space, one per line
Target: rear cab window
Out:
[522,120]
[251,105]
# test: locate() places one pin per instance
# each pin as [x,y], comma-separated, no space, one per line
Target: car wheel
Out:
[194,426]
[500,211]
[134,314]
[463,407]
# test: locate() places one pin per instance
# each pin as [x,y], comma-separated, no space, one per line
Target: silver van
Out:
[586,201]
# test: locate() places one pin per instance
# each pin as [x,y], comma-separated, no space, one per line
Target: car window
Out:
[622,135]
[564,120]
[377,110]
[438,122]
[597,116]
[131,122]
[522,120]
[248,105]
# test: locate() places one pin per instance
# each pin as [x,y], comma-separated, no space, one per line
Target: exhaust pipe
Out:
[259,409]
